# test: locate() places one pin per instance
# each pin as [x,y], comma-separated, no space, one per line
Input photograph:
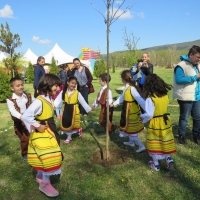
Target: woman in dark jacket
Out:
[84,78]
[38,73]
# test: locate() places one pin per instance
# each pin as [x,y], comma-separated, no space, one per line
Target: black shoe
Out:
[196,139]
[181,140]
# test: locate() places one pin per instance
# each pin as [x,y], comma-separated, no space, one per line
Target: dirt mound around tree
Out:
[117,157]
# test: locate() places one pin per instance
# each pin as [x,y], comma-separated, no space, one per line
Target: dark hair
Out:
[46,82]
[76,59]
[70,78]
[104,77]
[12,80]
[40,58]
[154,85]
[195,49]
[139,60]
[128,78]
[64,66]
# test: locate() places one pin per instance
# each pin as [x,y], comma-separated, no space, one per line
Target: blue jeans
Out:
[84,91]
[187,108]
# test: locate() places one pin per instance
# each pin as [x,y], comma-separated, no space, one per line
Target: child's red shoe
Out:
[48,189]
[67,141]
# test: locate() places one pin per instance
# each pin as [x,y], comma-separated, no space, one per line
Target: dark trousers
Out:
[84,92]
[188,108]
[103,118]
[23,135]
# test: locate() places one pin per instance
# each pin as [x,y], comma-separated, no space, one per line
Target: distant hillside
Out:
[179,46]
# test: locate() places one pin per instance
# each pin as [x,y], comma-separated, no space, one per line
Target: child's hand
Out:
[140,65]
[92,107]
[42,128]
[111,105]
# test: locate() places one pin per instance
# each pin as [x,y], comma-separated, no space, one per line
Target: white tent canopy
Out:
[2,55]
[30,57]
[59,55]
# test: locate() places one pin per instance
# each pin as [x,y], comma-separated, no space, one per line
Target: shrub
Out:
[53,67]
[99,67]
[5,91]
[30,73]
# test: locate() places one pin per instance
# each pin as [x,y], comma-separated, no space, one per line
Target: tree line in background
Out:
[15,66]
[161,58]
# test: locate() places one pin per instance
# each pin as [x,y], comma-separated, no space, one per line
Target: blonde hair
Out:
[147,55]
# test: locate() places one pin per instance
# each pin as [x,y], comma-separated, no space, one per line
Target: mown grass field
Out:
[81,180]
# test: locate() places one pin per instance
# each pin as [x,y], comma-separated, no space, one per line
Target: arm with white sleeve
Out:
[12,109]
[95,104]
[84,103]
[29,115]
[137,97]
[149,110]
[119,100]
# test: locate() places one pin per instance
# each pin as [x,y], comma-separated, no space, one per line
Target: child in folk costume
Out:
[70,118]
[44,153]
[160,140]
[102,100]
[130,122]
[17,103]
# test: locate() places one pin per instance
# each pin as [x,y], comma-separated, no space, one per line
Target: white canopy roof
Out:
[2,55]
[59,55]
[30,57]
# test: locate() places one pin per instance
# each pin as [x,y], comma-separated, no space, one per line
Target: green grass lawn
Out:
[81,180]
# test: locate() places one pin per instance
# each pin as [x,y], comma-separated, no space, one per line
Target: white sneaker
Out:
[122,134]
[142,148]
[130,143]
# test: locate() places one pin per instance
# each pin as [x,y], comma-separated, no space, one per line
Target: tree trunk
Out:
[107,122]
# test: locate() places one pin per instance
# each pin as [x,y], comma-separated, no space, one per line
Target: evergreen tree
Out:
[30,73]
[5,91]
[53,67]
[113,68]
[99,67]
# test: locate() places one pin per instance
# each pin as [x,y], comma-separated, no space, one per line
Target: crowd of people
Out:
[144,100]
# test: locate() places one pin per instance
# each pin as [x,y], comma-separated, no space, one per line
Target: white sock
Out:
[137,140]
[155,161]
[45,178]
[39,173]
[69,135]
[131,140]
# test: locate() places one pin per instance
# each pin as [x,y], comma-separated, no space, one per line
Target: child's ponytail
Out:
[128,78]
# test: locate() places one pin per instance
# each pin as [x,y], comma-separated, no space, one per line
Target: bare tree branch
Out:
[98,11]
[113,18]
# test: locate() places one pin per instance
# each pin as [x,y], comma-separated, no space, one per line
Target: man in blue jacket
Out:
[187,92]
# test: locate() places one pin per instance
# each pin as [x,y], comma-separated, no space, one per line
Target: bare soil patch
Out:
[117,157]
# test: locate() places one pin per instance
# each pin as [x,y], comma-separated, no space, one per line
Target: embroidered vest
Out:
[28,95]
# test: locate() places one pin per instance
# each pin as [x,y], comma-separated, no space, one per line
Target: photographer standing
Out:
[142,69]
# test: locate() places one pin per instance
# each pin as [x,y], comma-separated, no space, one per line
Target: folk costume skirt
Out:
[44,152]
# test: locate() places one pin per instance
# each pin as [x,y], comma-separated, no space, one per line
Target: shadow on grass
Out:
[176,177]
